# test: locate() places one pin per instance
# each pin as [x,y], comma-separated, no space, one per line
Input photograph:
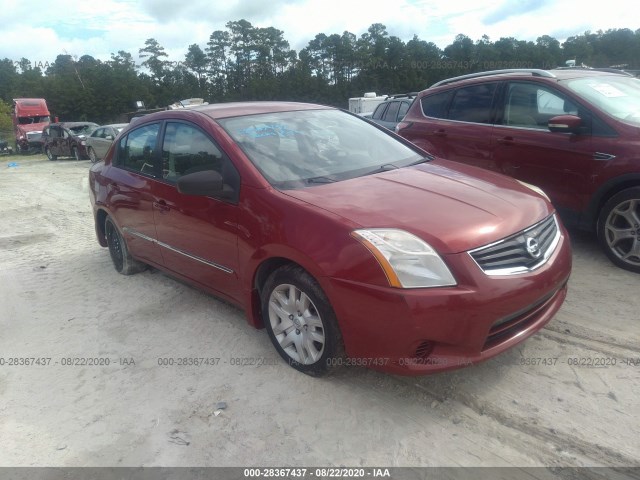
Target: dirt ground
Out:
[569,396]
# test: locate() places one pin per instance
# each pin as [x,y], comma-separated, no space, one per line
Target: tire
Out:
[75,153]
[122,260]
[92,155]
[619,229]
[50,155]
[301,322]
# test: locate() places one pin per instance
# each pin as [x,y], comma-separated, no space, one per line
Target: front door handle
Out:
[441,132]
[162,206]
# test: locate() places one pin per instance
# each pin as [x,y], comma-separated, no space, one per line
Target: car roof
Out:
[548,75]
[72,124]
[236,109]
[402,96]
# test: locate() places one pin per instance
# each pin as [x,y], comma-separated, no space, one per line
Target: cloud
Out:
[168,11]
[513,9]
[85,28]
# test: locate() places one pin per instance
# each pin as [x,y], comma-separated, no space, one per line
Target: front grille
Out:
[510,326]
[519,253]
[33,136]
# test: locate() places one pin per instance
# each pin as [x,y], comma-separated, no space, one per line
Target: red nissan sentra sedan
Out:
[347,243]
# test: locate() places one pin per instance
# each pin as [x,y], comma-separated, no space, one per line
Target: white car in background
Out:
[101,139]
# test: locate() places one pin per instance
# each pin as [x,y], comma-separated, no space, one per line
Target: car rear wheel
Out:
[300,321]
[619,229]
[122,260]
[75,153]
[50,155]
[92,155]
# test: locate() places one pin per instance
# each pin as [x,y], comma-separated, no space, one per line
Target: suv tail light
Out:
[402,125]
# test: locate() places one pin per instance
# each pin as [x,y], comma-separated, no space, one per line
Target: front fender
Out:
[589,218]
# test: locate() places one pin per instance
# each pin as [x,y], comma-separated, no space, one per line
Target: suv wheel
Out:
[619,229]
[50,155]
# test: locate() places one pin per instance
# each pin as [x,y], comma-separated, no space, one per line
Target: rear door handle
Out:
[440,132]
[506,140]
[162,206]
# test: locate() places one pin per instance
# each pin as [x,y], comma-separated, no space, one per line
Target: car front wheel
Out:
[619,229]
[122,260]
[300,321]
[92,155]
[50,155]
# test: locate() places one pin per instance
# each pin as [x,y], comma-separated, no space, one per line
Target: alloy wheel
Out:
[296,324]
[622,231]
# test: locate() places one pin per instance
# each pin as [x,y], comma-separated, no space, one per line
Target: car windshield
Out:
[619,96]
[309,147]
[34,119]
[83,129]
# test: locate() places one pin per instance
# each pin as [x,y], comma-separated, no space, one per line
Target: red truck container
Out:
[30,116]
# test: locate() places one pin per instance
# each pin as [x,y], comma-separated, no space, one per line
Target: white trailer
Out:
[366,104]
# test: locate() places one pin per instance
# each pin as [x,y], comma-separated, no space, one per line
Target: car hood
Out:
[453,207]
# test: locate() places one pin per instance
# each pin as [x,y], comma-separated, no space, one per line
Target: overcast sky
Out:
[41,30]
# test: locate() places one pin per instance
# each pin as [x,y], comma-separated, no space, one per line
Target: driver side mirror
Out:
[565,124]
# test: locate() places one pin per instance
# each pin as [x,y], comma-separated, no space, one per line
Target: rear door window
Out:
[434,106]
[473,103]
[137,150]
[392,112]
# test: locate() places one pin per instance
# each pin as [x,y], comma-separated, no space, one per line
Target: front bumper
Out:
[428,330]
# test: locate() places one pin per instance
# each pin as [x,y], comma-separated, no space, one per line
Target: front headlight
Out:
[534,188]
[407,261]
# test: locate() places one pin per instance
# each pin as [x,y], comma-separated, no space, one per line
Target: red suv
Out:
[333,233]
[575,133]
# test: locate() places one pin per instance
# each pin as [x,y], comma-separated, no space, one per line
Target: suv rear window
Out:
[377,114]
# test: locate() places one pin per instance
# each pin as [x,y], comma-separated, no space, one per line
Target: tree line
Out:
[245,62]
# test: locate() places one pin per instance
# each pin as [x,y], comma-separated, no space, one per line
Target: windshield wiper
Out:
[426,158]
[320,180]
[383,168]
